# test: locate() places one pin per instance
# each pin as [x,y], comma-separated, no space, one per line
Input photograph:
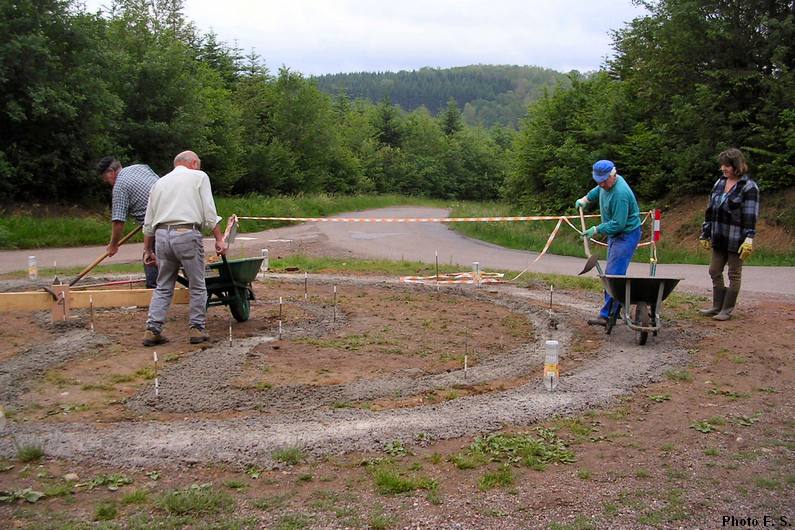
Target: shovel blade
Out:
[590,264]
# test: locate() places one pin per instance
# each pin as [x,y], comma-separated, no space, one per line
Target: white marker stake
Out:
[91,310]
[280,308]
[436,253]
[230,331]
[157,381]
[334,308]
[280,330]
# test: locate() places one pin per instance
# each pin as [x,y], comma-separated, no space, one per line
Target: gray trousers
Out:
[175,247]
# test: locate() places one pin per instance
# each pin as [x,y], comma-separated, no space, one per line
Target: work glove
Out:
[582,202]
[746,248]
[590,232]
[706,244]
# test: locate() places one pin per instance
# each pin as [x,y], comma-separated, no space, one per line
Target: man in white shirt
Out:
[180,205]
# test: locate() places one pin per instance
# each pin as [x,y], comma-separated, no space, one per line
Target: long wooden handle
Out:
[585,243]
[103,256]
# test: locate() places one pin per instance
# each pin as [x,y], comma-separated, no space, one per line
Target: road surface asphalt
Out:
[415,242]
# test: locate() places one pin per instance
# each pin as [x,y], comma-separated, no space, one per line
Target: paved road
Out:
[417,241]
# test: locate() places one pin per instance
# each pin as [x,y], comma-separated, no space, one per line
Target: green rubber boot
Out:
[729,301]
[718,294]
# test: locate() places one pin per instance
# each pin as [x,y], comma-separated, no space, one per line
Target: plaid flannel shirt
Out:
[727,222]
[131,192]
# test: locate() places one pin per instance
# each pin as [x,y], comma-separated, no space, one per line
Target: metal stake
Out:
[306,286]
[91,310]
[229,322]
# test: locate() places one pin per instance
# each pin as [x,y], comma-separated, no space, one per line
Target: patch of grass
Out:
[289,455]
[703,426]
[468,461]
[576,427]
[680,375]
[92,386]
[29,452]
[659,398]
[436,458]
[271,502]
[396,448]
[105,511]
[523,449]
[294,521]
[197,499]
[135,497]
[667,447]
[610,509]
[500,478]
[672,511]
[580,523]
[733,396]
[305,477]
[767,483]
[389,481]
[59,489]
[584,474]
[234,484]
[121,378]
[711,451]
[380,520]
[147,373]
[642,473]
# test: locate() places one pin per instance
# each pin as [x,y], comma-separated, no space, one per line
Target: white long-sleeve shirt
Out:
[181,197]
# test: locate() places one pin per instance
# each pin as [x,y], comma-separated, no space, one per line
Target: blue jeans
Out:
[620,250]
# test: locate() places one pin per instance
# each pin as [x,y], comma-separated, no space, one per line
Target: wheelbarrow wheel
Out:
[241,308]
[642,318]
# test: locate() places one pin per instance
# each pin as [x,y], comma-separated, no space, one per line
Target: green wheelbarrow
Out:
[229,283]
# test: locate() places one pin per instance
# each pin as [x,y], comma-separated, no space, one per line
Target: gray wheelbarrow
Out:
[646,294]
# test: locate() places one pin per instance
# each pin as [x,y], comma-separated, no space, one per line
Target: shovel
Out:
[593,261]
[103,256]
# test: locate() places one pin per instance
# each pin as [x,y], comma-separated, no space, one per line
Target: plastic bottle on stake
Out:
[551,372]
[33,268]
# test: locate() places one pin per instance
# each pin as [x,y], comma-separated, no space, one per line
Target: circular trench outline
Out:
[618,367]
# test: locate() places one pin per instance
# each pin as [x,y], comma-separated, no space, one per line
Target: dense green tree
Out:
[55,105]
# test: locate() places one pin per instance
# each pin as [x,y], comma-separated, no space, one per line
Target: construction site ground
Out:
[362,413]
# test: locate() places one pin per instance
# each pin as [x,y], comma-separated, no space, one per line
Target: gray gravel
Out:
[298,417]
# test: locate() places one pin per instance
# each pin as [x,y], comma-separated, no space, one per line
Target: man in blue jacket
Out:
[620,223]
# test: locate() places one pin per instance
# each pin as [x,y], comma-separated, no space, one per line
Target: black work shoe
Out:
[598,321]
[197,336]
[153,338]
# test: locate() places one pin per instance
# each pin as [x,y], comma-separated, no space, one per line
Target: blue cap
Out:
[602,169]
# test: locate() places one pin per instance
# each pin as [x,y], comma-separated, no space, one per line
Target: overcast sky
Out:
[329,36]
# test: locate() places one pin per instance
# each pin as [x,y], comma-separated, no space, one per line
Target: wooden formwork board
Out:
[40,301]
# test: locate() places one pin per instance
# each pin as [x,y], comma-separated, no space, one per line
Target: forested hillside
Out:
[688,80]
[488,94]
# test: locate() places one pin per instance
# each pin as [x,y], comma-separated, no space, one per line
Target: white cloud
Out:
[316,36]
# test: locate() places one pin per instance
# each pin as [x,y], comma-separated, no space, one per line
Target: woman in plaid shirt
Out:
[729,228]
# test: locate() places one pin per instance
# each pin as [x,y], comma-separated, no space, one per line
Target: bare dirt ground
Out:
[361,414]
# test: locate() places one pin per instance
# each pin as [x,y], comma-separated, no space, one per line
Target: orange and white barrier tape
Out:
[411,219]
[454,278]
[559,218]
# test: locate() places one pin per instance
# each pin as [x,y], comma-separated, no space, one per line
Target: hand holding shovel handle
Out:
[593,261]
[103,256]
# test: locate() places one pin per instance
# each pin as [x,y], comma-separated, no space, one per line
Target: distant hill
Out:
[487,94]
